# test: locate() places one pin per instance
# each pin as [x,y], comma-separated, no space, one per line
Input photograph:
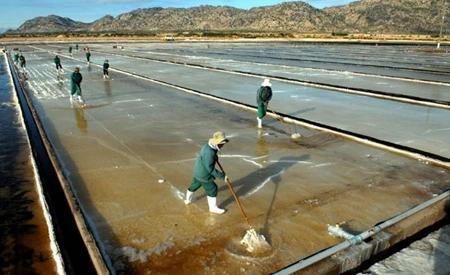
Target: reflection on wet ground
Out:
[81,120]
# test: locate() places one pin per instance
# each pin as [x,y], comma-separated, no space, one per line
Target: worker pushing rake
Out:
[263,96]
[205,173]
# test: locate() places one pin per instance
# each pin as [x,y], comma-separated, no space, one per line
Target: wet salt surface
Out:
[135,133]
[24,237]
[353,75]
[418,127]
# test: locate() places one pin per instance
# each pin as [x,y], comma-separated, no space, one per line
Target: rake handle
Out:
[279,118]
[234,195]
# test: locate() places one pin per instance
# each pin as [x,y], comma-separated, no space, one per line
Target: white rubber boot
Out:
[259,122]
[189,197]
[212,202]
[81,100]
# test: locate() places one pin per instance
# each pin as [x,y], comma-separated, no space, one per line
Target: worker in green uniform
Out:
[75,85]
[16,58]
[23,62]
[88,56]
[105,69]
[205,172]
[263,96]
[57,63]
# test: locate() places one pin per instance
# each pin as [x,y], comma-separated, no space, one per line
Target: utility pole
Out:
[442,22]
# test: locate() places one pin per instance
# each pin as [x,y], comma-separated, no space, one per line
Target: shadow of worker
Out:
[82,123]
[257,180]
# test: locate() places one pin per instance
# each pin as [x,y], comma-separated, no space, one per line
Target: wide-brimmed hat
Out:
[218,138]
[266,83]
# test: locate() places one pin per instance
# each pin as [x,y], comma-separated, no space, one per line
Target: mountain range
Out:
[364,16]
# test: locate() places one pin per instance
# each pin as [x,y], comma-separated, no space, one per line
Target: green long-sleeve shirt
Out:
[75,82]
[205,165]
[263,94]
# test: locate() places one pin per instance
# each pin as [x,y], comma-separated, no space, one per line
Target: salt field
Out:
[374,143]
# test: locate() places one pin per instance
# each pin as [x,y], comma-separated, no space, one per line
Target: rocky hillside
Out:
[393,16]
[368,16]
[51,23]
[292,16]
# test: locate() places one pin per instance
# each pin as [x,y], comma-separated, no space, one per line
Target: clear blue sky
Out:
[16,12]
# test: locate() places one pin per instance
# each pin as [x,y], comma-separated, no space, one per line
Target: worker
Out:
[57,63]
[105,69]
[75,85]
[205,172]
[263,96]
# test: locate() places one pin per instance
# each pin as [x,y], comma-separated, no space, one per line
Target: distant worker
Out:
[263,96]
[23,62]
[58,63]
[205,172]
[76,47]
[75,85]
[16,58]
[88,56]
[105,69]
[70,50]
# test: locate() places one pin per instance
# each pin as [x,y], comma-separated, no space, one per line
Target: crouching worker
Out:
[205,172]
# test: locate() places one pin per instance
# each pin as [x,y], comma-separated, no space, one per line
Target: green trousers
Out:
[75,89]
[210,187]
[262,110]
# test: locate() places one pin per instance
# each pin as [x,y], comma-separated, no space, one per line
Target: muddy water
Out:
[24,245]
